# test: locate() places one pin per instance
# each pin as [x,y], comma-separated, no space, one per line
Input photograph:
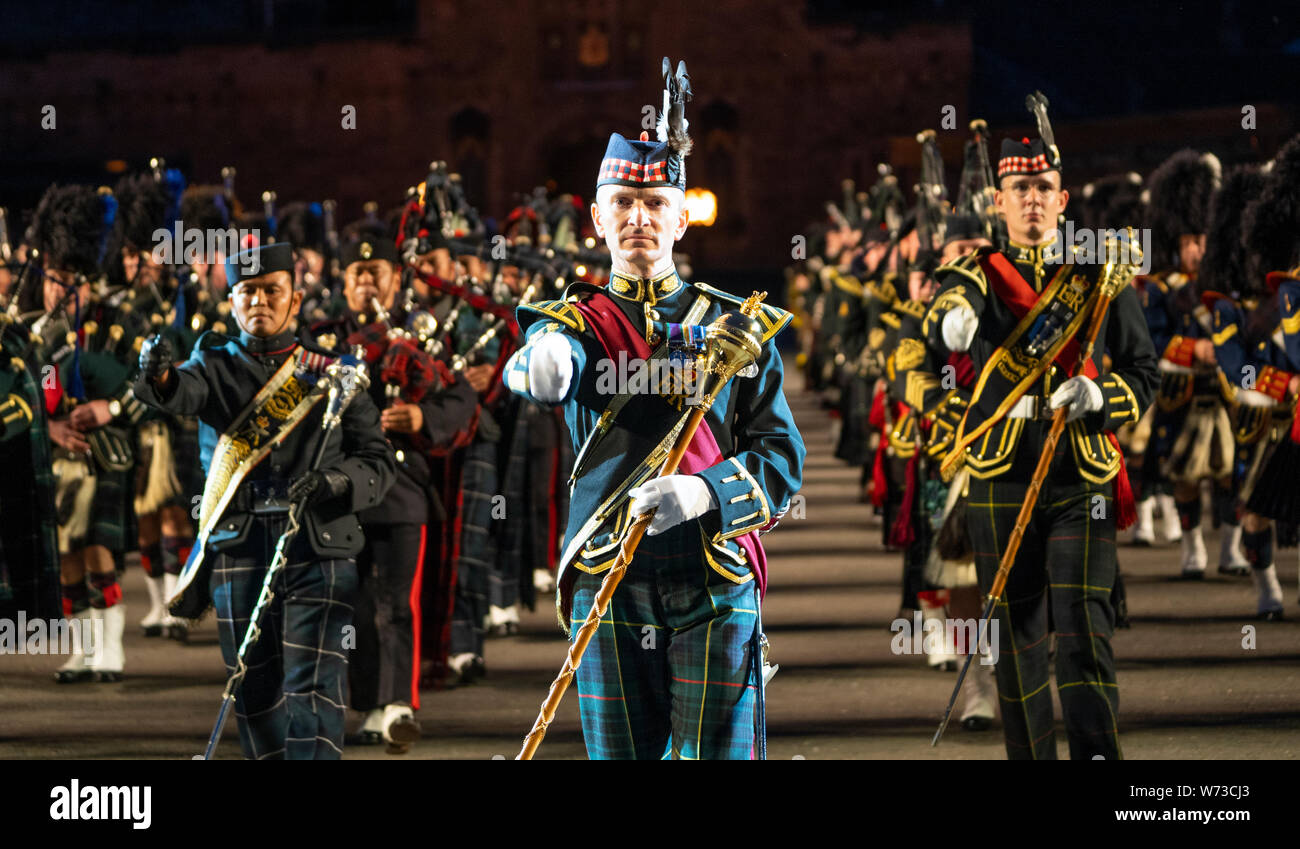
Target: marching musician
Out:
[1257,343]
[422,406]
[981,307]
[673,669]
[87,351]
[259,433]
[1191,434]
[167,478]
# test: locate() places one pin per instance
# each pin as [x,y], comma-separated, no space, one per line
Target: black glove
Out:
[155,357]
[315,487]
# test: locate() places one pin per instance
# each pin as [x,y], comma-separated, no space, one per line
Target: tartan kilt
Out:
[100,517]
[189,468]
[670,670]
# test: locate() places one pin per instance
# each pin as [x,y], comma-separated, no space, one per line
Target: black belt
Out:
[262,497]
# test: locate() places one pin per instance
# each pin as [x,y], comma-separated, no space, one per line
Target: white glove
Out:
[550,368]
[1254,398]
[679,498]
[1081,394]
[959,327]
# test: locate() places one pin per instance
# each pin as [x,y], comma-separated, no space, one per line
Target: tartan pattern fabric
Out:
[477,549]
[185,453]
[1067,558]
[669,673]
[1022,165]
[292,703]
[29,545]
[111,521]
[636,172]
[533,481]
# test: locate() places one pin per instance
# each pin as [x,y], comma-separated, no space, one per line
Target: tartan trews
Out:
[1067,559]
[669,673]
[291,704]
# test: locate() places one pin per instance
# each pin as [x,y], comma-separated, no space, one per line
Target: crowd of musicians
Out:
[894,301]
[944,330]
[469,529]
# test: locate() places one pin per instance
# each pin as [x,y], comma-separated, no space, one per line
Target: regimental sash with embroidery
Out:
[275,411]
[1046,333]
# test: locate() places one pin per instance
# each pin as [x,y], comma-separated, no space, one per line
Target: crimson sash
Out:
[615,332]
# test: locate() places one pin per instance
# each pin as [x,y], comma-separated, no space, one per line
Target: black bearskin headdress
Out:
[69,228]
[1223,268]
[1271,224]
[1179,194]
[1112,202]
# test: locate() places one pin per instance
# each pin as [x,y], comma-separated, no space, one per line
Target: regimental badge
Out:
[328,340]
[366,250]
[1075,292]
[1016,364]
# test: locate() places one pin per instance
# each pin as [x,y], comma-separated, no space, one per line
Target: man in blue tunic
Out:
[673,668]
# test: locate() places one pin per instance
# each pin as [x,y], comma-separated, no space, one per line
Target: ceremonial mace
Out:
[1114,277]
[344,382]
[732,342]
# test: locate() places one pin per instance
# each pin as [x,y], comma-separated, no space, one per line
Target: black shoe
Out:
[1234,571]
[473,671]
[108,677]
[73,676]
[179,633]
[152,630]
[1270,615]
[369,738]
[977,723]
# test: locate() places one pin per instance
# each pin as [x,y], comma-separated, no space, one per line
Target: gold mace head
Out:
[732,341]
[1123,256]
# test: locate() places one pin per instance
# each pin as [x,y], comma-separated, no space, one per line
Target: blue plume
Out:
[182,318]
[315,210]
[174,183]
[109,213]
[220,202]
[75,387]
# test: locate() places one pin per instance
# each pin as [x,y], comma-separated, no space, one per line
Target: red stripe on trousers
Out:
[416,586]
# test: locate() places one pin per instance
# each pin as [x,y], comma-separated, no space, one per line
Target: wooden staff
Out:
[733,342]
[1113,278]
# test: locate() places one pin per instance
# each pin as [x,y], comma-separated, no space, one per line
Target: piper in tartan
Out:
[672,670]
[422,406]
[87,346]
[1069,546]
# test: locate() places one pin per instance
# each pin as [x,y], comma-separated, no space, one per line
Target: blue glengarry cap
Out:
[654,163]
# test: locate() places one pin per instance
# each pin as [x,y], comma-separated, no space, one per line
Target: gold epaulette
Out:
[916,309]
[846,283]
[967,266]
[891,319]
[562,311]
[884,290]
[773,319]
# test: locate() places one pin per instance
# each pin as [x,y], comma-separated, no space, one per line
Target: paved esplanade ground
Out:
[1188,687]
